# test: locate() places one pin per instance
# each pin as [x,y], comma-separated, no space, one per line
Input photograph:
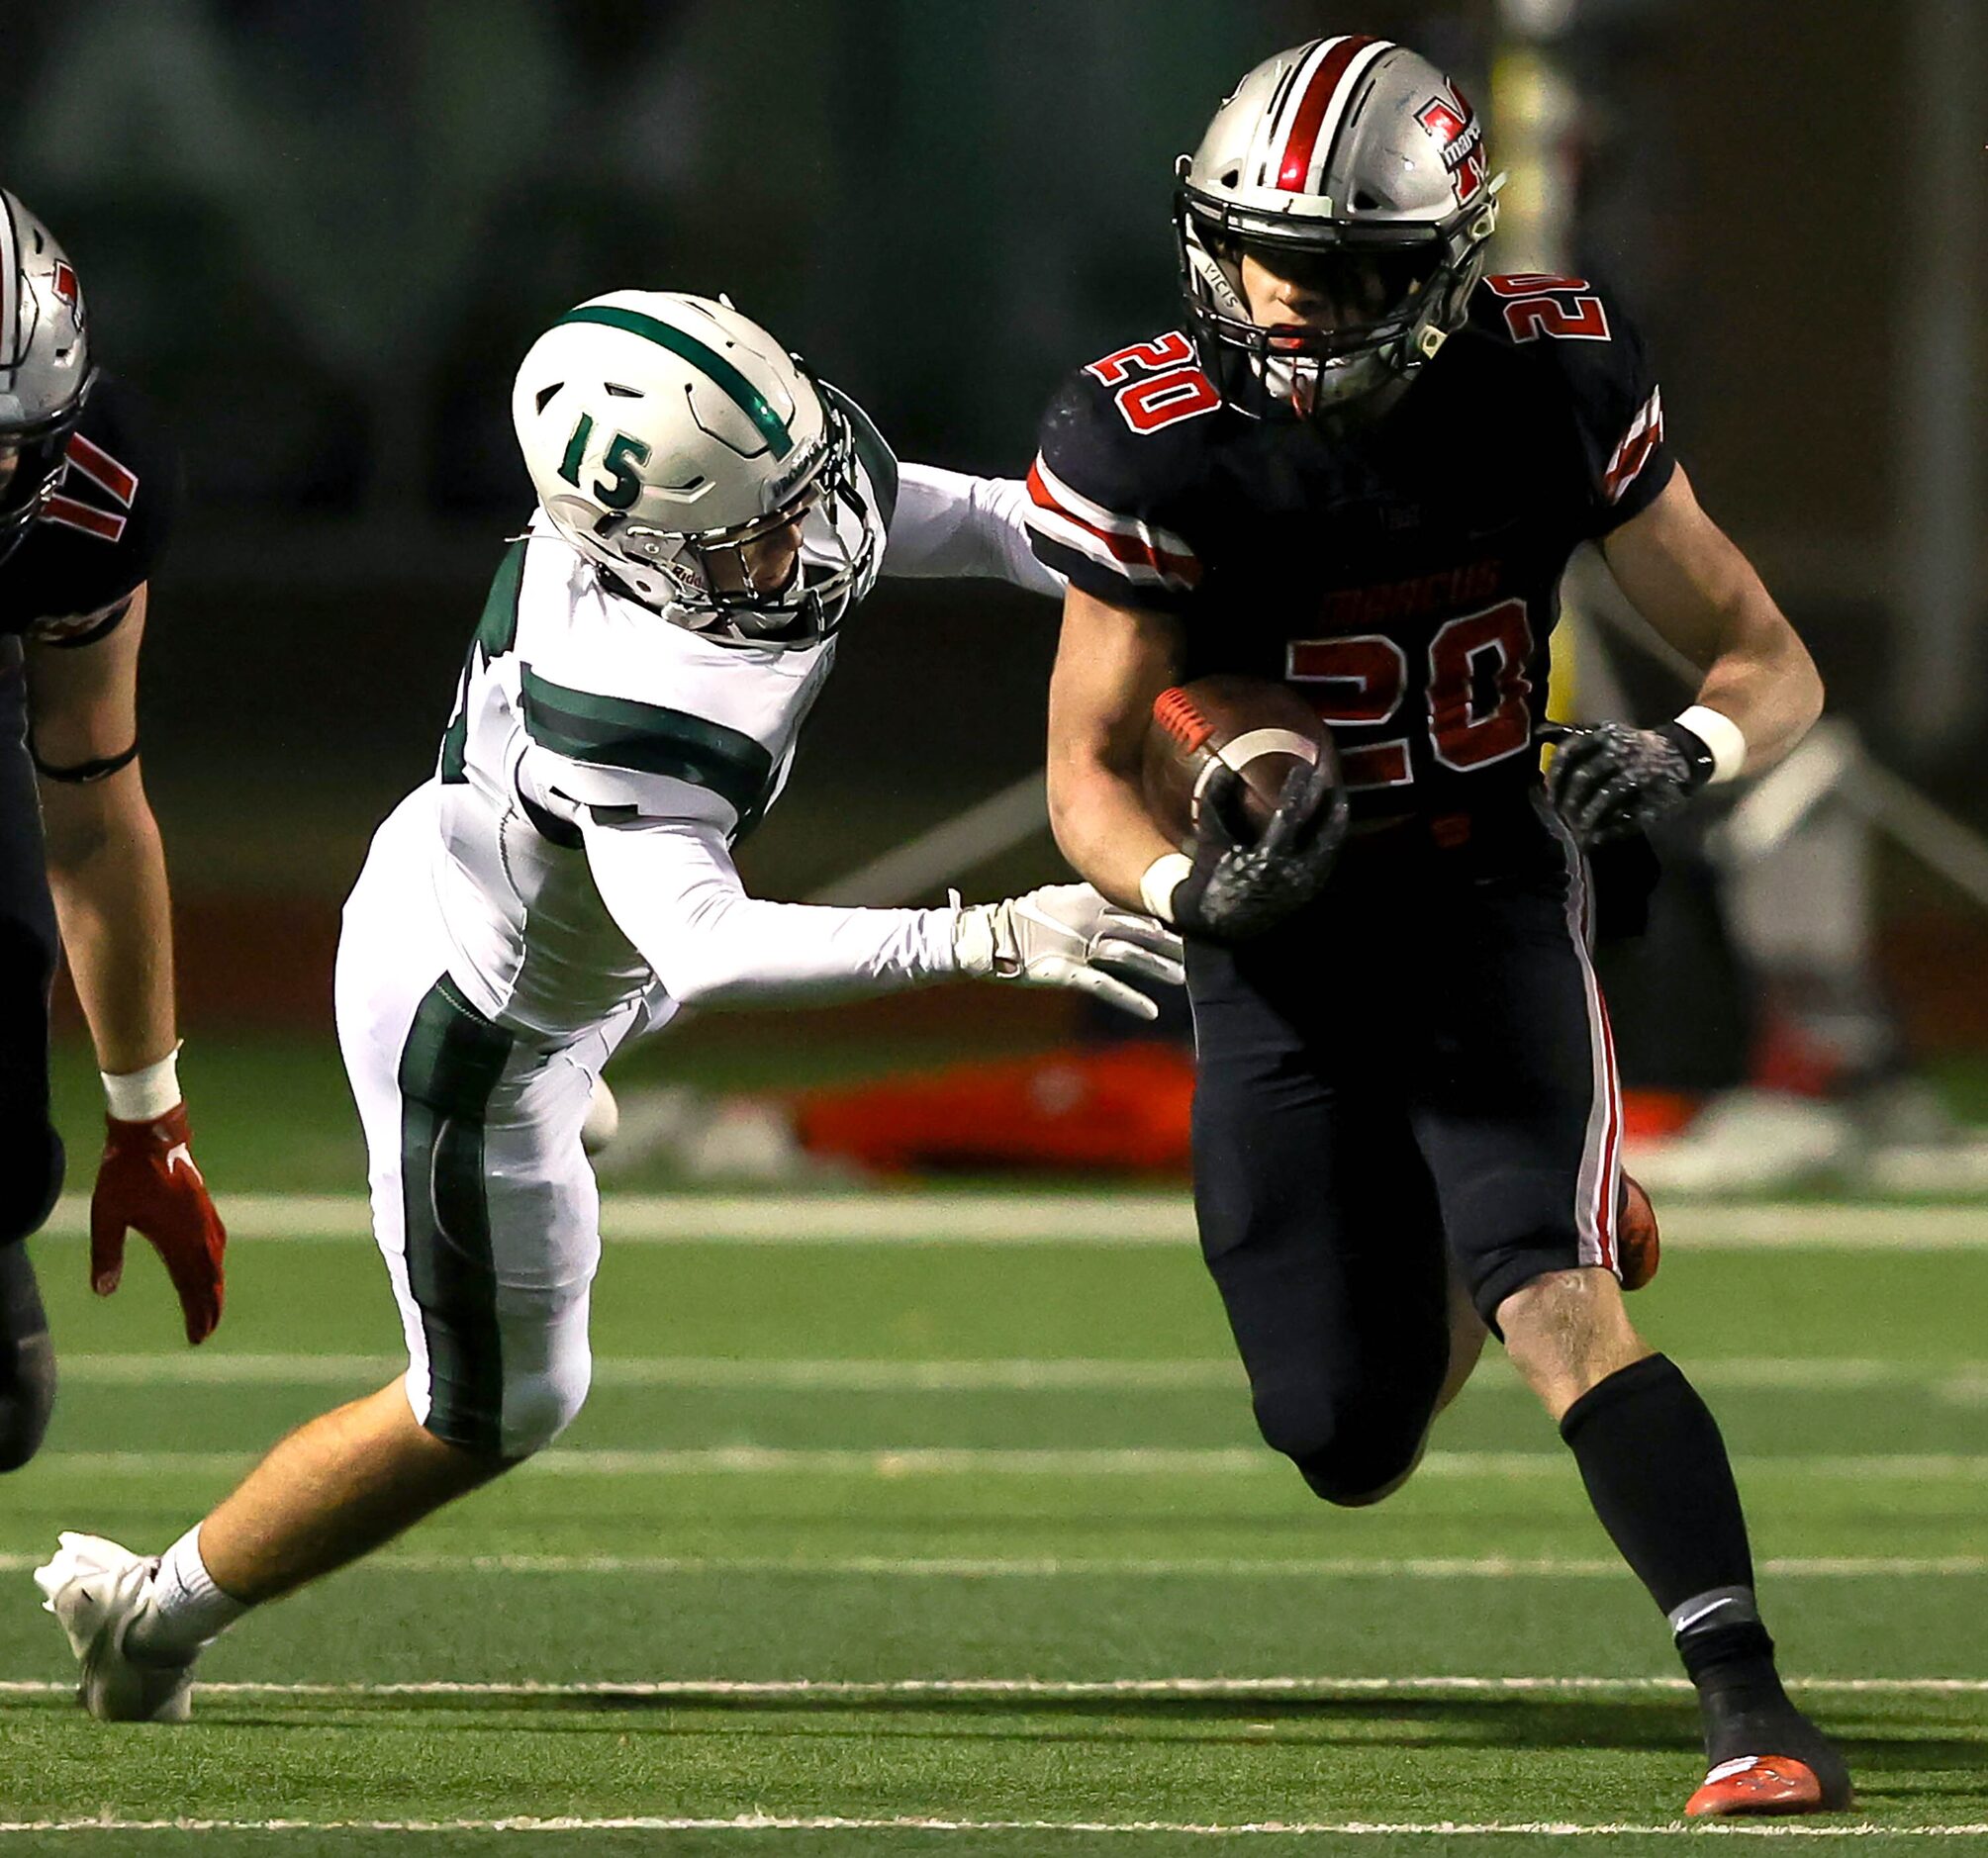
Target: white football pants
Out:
[484,1206]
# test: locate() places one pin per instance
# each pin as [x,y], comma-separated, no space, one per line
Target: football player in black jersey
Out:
[1361,466]
[86,501]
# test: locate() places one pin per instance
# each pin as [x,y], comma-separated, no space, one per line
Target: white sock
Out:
[184,1610]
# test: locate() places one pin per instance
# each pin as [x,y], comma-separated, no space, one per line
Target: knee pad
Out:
[27,1363]
[26,1399]
[1364,1474]
[31,1185]
[539,1406]
[1350,1453]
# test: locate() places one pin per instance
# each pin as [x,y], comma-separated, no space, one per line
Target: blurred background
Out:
[318,233]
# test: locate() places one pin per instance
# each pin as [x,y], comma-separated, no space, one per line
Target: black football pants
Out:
[1415,1077]
[30,1152]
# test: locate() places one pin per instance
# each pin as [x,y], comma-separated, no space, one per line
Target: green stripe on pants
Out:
[450,1066]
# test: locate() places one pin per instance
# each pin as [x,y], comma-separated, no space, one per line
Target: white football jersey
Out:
[581,710]
[575,697]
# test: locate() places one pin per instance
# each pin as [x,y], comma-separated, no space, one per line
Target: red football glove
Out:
[148,1180]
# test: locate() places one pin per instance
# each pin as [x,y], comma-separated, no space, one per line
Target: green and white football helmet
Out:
[665,433]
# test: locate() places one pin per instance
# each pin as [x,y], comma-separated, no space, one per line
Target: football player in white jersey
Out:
[707,513]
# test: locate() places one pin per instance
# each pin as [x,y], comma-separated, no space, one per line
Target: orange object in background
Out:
[1122,1106]
[1650,1115]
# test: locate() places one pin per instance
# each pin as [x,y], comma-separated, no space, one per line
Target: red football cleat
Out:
[1757,1784]
[1636,1241]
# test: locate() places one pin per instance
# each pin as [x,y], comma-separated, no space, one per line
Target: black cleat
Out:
[1767,1759]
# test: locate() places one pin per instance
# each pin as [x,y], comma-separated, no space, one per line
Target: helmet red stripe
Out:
[1312,107]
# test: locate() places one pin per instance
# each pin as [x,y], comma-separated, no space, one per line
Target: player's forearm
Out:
[1701,595]
[1768,684]
[1102,827]
[107,875]
[952,524]
[741,951]
[672,888]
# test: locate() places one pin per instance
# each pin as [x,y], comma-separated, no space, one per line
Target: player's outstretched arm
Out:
[107,873]
[948,524]
[1112,662]
[1759,692]
[673,889]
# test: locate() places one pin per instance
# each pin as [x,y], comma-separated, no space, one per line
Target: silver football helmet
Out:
[46,371]
[667,436]
[1356,172]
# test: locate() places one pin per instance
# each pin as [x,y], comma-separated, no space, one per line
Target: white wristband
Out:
[141,1097]
[1163,878]
[1721,737]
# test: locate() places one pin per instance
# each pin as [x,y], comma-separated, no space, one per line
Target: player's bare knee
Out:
[1567,1331]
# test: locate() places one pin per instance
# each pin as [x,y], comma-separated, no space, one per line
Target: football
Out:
[1259,728]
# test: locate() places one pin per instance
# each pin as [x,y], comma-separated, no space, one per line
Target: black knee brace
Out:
[27,1362]
[30,1186]
[1351,1453]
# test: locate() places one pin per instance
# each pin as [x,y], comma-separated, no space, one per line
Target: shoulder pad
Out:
[1586,349]
[105,527]
[1123,452]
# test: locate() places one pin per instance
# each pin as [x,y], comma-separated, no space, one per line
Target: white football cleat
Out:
[96,1588]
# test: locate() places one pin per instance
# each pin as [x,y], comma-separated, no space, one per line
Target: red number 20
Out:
[1537,303]
[1172,386]
[1361,680]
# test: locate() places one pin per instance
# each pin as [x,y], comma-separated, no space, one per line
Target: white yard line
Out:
[1140,1218]
[893,1461]
[1042,1689]
[1183,1567]
[826,1822]
[1961,1383]
[851,1375]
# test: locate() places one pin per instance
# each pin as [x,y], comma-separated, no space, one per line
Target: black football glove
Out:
[1240,887]
[1612,780]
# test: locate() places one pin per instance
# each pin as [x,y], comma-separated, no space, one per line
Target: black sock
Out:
[1733,1667]
[1658,1475]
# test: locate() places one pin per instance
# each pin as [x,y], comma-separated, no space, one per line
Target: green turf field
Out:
[969,1548]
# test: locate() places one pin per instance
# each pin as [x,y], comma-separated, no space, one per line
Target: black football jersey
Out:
[104,530]
[1404,577]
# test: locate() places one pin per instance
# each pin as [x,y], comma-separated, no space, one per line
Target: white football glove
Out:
[1057,936]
